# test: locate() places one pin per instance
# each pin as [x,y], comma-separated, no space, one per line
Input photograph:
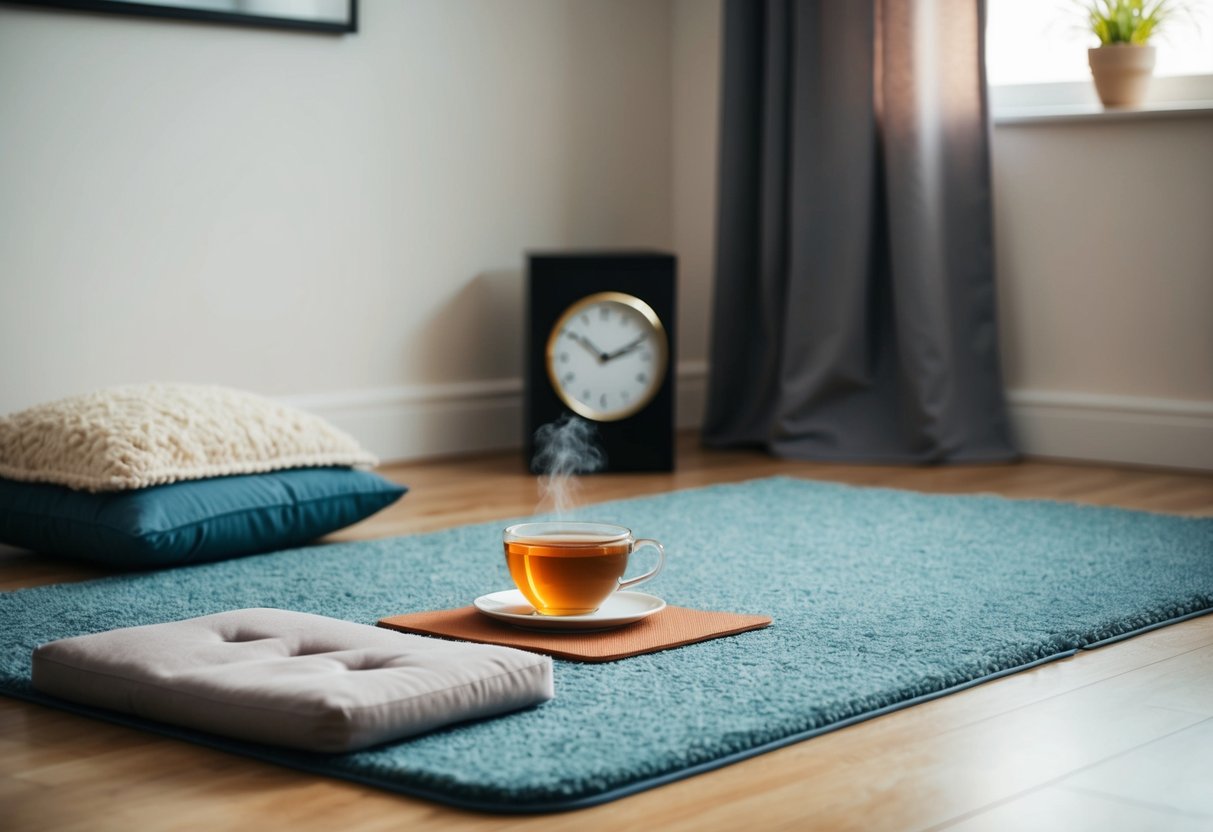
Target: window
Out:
[1036,53]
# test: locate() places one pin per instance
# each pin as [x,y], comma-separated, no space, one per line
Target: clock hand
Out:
[589,345]
[625,350]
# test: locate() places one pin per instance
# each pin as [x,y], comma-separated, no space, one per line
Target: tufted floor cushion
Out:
[290,678]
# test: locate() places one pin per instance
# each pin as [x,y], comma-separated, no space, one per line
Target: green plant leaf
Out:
[1127,21]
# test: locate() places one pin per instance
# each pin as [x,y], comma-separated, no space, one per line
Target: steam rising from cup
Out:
[563,449]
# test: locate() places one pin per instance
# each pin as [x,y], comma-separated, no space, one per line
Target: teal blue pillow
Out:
[192,521]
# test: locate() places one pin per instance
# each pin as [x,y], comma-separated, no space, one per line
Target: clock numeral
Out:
[624,320]
[568,378]
[642,377]
[564,358]
[585,319]
[646,356]
[602,400]
[625,395]
[604,312]
[586,396]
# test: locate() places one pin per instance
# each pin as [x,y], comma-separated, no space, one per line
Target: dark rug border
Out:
[268,754]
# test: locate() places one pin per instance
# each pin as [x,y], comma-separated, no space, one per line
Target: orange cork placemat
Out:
[672,627]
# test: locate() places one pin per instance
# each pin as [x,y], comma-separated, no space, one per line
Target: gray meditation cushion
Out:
[290,678]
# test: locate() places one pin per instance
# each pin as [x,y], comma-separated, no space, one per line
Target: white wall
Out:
[337,220]
[1104,233]
[695,69]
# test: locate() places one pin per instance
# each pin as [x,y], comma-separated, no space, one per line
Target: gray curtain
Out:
[854,313]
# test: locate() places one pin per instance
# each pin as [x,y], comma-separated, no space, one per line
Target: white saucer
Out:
[621,608]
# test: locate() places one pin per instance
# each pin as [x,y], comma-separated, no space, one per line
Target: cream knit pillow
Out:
[133,437]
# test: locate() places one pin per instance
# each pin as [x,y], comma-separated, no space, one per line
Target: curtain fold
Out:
[854,314]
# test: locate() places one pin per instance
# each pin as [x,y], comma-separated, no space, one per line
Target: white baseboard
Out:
[425,420]
[1137,430]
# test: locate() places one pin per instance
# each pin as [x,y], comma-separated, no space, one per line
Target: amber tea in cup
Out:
[570,568]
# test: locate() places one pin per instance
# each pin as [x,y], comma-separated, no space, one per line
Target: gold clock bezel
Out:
[661,359]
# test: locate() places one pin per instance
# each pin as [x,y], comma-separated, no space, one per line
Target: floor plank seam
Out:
[1137,747]
[1063,662]
[1057,782]
[1131,801]
[1188,711]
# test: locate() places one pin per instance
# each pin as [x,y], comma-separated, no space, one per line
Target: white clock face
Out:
[607,356]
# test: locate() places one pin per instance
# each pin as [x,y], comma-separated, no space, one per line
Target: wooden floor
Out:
[1115,738]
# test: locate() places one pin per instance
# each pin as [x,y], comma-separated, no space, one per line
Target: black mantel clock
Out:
[601,346]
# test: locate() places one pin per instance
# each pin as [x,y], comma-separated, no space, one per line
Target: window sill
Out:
[1067,113]
[1179,96]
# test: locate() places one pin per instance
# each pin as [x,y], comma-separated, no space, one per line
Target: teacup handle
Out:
[652,573]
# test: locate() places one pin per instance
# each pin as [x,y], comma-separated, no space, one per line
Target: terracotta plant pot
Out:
[1122,73]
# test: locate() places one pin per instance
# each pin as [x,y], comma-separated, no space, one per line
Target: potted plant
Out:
[1123,62]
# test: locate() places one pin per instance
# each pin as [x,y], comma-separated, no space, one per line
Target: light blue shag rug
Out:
[880,599]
